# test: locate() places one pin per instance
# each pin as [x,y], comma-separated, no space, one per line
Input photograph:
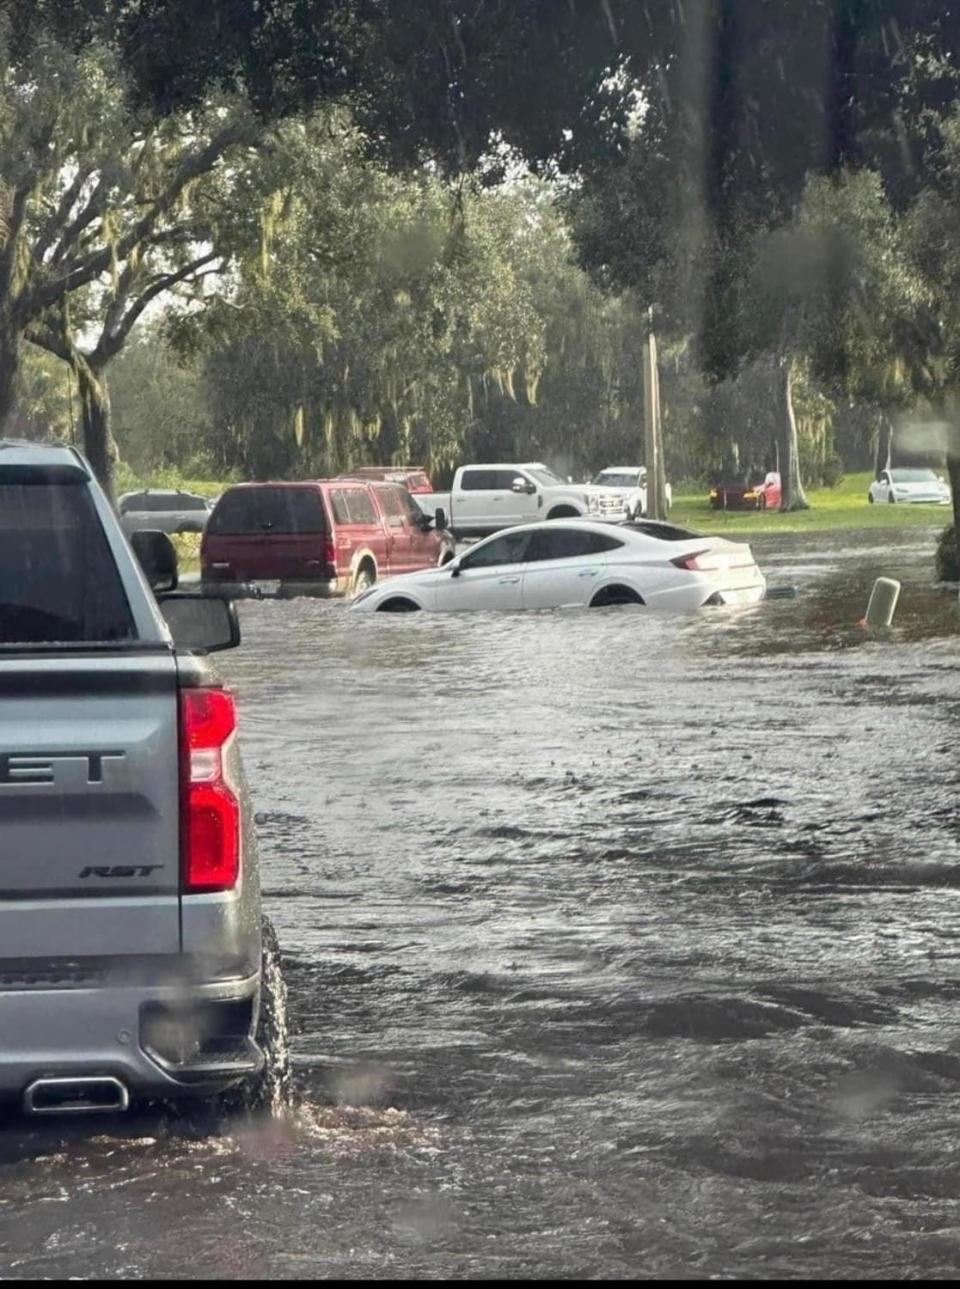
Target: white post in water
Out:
[883,602]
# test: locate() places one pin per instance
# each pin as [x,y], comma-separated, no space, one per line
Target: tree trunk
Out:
[9,366]
[99,444]
[953,473]
[793,497]
[884,444]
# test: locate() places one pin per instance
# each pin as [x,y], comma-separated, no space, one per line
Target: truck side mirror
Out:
[157,556]
[440,519]
[205,623]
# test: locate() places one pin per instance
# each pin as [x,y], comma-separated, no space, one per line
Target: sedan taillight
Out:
[689,562]
[210,813]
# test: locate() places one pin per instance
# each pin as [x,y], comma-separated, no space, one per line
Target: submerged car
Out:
[624,491]
[901,486]
[745,496]
[580,563]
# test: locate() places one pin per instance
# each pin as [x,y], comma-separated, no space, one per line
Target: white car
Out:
[579,563]
[899,486]
[623,491]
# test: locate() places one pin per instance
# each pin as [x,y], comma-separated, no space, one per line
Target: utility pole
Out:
[653,442]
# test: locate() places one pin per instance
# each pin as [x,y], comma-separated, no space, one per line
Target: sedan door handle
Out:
[588,572]
[505,581]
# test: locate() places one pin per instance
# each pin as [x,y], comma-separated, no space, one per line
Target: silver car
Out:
[134,963]
[168,510]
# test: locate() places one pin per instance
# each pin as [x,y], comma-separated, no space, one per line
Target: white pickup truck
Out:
[486,498]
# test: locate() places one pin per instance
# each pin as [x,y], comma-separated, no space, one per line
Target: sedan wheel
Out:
[891,498]
[614,595]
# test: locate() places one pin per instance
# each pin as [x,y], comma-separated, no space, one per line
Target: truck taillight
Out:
[210,813]
[329,552]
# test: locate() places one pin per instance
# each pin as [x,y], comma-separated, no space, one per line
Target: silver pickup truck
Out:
[133,961]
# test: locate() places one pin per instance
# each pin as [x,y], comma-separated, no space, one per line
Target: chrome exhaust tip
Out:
[100,1094]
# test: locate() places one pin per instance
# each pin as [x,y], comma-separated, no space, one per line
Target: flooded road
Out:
[618,945]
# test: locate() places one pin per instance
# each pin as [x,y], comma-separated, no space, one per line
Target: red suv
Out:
[329,537]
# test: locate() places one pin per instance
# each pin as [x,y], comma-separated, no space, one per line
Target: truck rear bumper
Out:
[170,1040]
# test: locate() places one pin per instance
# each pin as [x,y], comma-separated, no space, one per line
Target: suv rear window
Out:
[59,583]
[267,510]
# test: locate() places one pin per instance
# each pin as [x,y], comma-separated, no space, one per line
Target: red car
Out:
[413,477]
[742,496]
[329,537]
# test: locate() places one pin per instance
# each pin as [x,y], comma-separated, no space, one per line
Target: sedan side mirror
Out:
[454,567]
[157,556]
[201,623]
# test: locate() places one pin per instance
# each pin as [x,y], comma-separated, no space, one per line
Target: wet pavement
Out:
[619,944]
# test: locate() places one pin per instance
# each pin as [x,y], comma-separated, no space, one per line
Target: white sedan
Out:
[902,486]
[579,563]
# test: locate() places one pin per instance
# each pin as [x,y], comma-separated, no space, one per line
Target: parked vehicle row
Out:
[330,537]
[487,498]
[894,486]
[580,563]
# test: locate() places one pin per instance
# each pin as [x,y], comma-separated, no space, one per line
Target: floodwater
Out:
[619,945]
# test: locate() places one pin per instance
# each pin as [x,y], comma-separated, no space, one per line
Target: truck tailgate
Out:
[89,806]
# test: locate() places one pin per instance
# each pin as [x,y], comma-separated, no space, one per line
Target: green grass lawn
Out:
[845,506]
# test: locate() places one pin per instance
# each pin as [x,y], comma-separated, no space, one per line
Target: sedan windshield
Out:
[914,476]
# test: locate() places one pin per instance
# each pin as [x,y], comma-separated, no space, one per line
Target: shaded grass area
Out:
[844,506]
